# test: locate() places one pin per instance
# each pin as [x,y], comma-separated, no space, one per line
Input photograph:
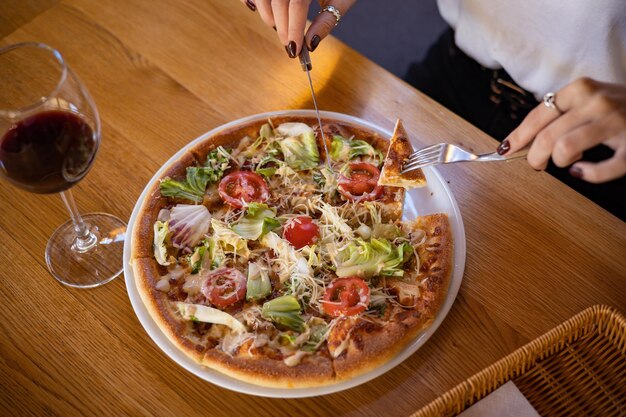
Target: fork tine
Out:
[426,154]
[418,163]
[435,147]
[420,158]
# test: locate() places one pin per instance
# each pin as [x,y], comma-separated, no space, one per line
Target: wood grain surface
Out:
[164,72]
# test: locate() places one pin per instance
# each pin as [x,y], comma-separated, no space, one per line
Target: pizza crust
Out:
[399,150]
[312,371]
[371,346]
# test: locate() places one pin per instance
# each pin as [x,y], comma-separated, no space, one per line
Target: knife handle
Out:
[305,59]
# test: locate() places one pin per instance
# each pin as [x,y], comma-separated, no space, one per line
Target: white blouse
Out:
[543,44]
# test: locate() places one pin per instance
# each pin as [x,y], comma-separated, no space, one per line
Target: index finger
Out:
[325,22]
[265,10]
[572,95]
[298,10]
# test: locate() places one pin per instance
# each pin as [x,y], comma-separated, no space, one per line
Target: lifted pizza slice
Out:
[399,150]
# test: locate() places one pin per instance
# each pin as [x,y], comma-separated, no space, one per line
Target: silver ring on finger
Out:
[333,10]
[549,100]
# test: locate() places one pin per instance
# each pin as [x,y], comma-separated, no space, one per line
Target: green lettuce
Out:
[159,244]
[227,240]
[217,162]
[194,185]
[258,221]
[267,171]
[195,260]
[259,285]
[373,258]
[318,333]
[285,311]
[325,179]
[342,149]
[299,147]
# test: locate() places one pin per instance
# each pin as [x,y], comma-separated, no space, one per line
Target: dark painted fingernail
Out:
[291,49]
[504,147]
[315,40]
[251,5]
[576,172]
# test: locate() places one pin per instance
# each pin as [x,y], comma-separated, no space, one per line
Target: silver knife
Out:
[305,63]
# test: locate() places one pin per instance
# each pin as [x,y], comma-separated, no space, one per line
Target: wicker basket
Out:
[577,368]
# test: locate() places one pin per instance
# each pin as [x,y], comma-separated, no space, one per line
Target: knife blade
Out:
[305,63]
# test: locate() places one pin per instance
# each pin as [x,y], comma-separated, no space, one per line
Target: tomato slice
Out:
[301,231]
[346,297]
[224,286]
[361,182]
[242,187]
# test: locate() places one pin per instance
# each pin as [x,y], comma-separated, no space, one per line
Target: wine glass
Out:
[49,137]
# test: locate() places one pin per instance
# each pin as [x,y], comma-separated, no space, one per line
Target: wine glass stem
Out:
[85,238]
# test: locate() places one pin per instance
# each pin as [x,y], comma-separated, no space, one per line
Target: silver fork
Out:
[447,153]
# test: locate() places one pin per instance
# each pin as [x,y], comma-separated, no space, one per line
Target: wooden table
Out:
[162,73]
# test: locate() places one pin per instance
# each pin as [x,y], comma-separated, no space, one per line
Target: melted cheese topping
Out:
[296,358]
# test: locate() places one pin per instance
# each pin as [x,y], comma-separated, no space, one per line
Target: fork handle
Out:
[495,156]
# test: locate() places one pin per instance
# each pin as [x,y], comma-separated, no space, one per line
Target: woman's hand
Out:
[587,113]
[288,18]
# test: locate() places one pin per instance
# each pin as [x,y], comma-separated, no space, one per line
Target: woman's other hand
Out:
[586,113]
[288,18]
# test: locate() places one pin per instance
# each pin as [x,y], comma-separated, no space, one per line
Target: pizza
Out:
[399,150]
[259,260]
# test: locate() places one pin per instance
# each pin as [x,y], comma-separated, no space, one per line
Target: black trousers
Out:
[490,100]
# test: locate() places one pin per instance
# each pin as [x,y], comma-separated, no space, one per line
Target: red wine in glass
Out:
[48,152]
[49,137]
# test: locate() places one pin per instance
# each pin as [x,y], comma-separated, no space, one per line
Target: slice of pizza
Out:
[399,150]
[358,345]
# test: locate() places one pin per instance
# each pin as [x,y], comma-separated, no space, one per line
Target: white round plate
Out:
[434,198]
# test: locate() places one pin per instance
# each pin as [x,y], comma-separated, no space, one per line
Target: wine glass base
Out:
[91,267]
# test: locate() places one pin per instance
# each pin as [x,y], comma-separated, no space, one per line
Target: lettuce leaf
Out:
[285,311]
[205,314]
[161,231]
[217,162]
[342,149]
[228,240]
[258,221]
[373,258]
[195,260]
[188,225]
[259,285]
[299,146]
[194,185]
